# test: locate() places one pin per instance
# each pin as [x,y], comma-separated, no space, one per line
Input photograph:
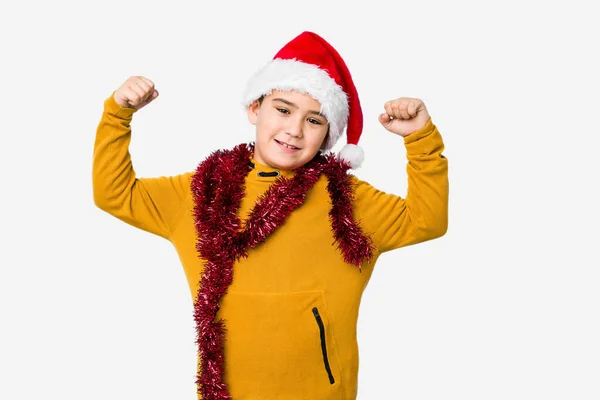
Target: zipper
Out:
[323,344]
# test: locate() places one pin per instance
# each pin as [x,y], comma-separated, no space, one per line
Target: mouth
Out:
[287,146]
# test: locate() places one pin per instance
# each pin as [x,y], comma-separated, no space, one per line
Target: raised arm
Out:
[152,204]
[422,215]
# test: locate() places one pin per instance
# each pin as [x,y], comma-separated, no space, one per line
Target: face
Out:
[289,129]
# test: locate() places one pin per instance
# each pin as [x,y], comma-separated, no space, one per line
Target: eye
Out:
[314,121]
[283,110]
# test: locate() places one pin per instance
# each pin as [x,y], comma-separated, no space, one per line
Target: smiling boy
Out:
[290,129]
[277,240]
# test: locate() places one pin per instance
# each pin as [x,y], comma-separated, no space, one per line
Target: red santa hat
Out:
[310,65]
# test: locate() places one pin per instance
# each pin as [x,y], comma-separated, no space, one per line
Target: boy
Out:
[277,240]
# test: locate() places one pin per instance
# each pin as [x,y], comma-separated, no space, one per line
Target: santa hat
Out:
[310,65]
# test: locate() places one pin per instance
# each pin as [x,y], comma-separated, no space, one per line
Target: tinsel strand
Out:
[355,246]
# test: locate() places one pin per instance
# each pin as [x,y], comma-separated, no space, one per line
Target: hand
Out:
[404,116]
[136,92]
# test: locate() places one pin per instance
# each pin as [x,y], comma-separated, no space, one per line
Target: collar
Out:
[264,172]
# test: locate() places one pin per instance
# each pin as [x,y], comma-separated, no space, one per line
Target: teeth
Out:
[288,146]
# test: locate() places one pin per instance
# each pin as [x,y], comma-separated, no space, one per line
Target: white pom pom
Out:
[353,154]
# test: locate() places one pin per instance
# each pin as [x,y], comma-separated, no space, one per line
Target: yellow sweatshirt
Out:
[291,312]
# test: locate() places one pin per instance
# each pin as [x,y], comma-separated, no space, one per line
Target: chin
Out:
[289,165]
[285,161]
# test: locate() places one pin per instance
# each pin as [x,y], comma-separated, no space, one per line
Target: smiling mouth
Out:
[289,146]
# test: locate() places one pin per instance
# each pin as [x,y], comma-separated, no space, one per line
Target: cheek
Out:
[317,139]
[267,128]
[263,132]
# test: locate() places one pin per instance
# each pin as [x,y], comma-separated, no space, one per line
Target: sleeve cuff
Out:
[426,130]
[113,108]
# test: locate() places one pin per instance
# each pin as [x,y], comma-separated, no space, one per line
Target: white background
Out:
[504,306]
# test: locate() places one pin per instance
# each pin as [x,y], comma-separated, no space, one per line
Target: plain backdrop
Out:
[504,306]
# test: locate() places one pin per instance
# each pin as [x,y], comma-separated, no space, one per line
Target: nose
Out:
[294,127]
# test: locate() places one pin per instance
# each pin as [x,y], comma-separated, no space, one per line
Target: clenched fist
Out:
[404,116]
[136,92]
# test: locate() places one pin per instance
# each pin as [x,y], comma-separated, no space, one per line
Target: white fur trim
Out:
[354,154]
[286,75]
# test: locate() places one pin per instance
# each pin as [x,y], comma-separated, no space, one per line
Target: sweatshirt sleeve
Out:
[152,204]
[394,221]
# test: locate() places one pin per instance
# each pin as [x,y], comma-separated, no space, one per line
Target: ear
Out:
[253,110]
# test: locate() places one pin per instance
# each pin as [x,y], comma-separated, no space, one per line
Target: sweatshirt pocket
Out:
[280,345]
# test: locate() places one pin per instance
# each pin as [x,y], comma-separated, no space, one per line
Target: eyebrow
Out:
[289,103]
